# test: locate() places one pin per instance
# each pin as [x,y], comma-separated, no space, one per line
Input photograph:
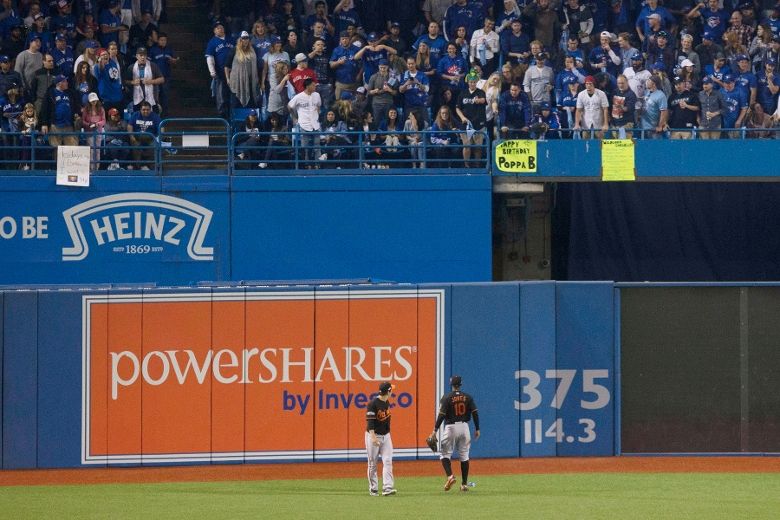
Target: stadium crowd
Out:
[534,68]
[72,65]
[406,73]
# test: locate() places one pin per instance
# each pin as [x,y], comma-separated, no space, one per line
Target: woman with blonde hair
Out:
[93,120]
[423,61]
[492,88]
[278,95]
[242,76]
[732,48]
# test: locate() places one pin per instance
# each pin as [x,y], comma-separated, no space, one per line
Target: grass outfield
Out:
[581,496]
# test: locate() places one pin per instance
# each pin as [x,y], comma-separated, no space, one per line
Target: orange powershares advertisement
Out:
[187,377]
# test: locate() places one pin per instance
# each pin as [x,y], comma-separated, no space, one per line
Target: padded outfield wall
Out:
[252,374]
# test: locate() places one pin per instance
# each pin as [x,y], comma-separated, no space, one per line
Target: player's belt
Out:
[455,422]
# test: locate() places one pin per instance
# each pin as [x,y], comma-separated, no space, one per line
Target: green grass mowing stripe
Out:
[560,496]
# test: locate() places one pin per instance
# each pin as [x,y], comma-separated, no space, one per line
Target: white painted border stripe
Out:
[157,297]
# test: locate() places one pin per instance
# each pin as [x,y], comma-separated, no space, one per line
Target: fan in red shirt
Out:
[301,72]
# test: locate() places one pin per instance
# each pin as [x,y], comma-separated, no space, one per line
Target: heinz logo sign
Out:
[233,376]
[137,224]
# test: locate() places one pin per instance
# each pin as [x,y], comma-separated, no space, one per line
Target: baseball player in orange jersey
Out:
[456,410]
[379,443]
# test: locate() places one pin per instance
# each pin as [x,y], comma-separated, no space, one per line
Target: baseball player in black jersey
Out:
[456,410]
[379,443]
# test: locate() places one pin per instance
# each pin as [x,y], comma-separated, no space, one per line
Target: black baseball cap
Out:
[385,388]
[456,381]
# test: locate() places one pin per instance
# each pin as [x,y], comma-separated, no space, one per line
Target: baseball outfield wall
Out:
[235,374]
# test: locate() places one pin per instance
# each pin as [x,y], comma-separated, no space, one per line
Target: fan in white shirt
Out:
[592,109]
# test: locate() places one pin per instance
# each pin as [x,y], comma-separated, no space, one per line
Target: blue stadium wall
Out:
[517,345]
[186,229]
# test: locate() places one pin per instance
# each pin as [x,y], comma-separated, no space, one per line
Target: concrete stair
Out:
[188,32]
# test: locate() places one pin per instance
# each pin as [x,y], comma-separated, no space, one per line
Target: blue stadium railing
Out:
[180,149]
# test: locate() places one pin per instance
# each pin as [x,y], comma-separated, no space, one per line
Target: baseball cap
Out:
[372,37]
[544,106]
[344,34]
[60,78]
[636,57]
[59,37]
[769,61]
[605,34]
[301,57]
[141,50]
[662,34]
[91,44]
[679,79]
[92,97]
[385,387]
[589,79]
[745,5]
[568,80]
[360,90]
[706,79]
[741,57]
[456,381]
[38,16]
[707,35]
[776,38]
[244,34]
[63,3]
[472,76]
[346,95]
[275,39]
[383,62]
[720,56]
[217,23]
[686,63]
[658,66]
[4,59]
[101,52]
[395,24]
[113,112]
[654,15]
[13,85]
[252,112]
[728,78]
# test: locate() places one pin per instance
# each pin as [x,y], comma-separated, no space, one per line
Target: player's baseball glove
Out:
[432,442]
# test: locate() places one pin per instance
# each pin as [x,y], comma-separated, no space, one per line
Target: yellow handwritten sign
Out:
[617,160]
[516,156]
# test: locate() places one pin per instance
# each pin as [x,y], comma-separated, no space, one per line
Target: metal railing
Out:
[439,152]
[186,144]
[110,151]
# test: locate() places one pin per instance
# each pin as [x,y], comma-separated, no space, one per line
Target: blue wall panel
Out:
[585,347]
[20,330]
[59,376]
[485,337]
[408,230]
[535,390]
[403,228]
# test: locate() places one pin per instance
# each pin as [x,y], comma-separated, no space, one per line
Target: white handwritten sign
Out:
[73,165]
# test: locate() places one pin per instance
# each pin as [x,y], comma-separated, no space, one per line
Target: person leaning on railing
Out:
[712,107]
[443,149]
[116,150]
[57,116]
[143,128]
